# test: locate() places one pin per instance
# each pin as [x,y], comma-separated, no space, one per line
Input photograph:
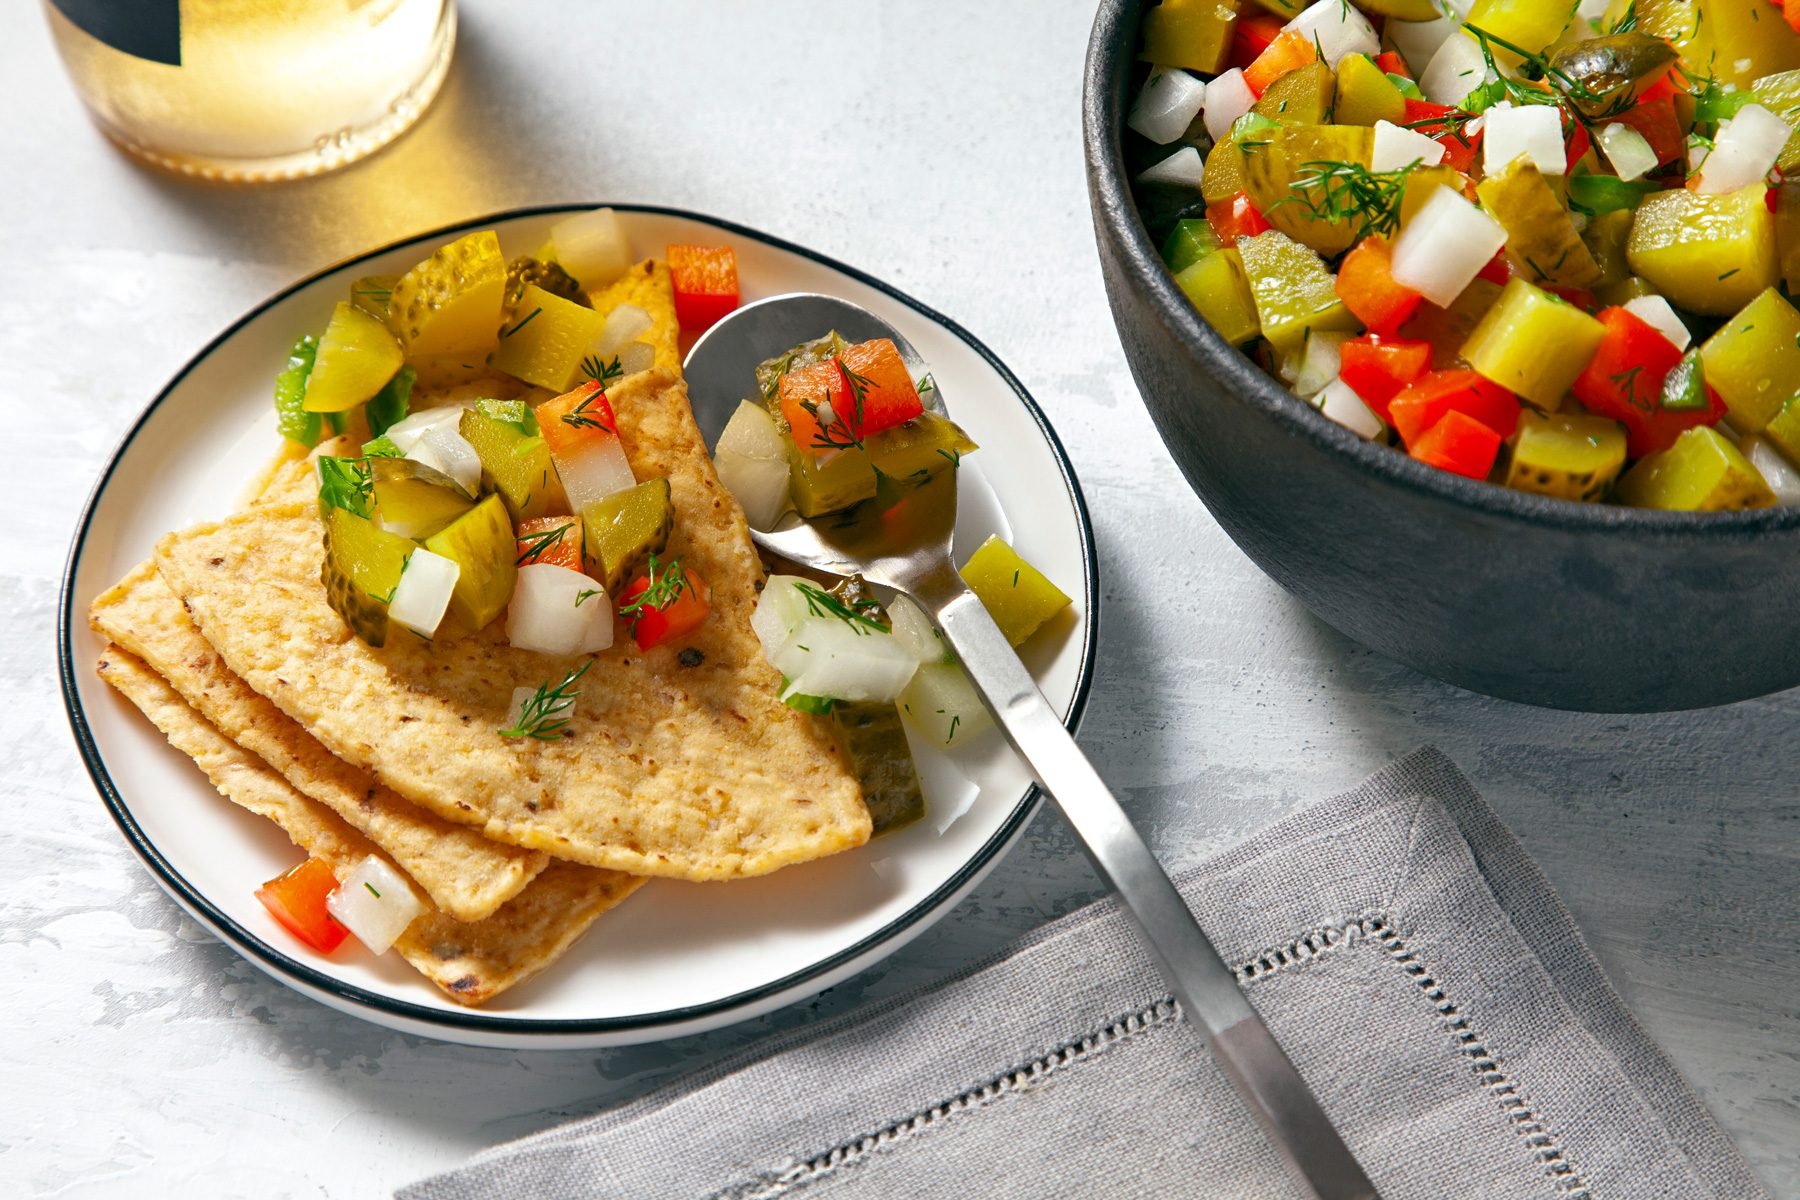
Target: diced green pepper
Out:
[1297,155]
[1533,344]
[1217,287]
[1541,238]
[1293,291]
[291,417]
[1708,254]
[1365,93]
[1301,97]
[1194,34]
[1701,472]
[1685,388]
[386,407]
[1599,195]
[1189,242]
[1575,457]
[1753,361]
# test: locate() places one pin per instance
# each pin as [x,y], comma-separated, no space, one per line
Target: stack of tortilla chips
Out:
[679,761]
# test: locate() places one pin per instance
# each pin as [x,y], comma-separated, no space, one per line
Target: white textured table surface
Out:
[143,1058]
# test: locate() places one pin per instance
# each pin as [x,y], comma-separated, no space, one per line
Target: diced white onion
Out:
[1445,247]
[406,432]
[1228,97]
[1397,149]
[1780,474]
[1419,41]
[626,323]
[1308,372]
[423,593]
[1338,29]
[1656,312]
[1340,402]
[914,630]
[1530,131]
[1627,150]
[636,356]
[824,654]
[1170,101]
[1184,168]
[592,247]
[455,456]
[558,611]
[752,464]
[1593,10]
[374,902]
[1744,152]
[594,472]
[1457,69]
[942,706]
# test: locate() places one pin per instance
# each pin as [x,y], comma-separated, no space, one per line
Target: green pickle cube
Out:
[515,462]
[1701,472]
[1292,290]
[624,529]
[1568,456]
[361,569]
[1753,361]
[1533,344]
[482,543]
[1015,593]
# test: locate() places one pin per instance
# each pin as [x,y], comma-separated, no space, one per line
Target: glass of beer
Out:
[254,89]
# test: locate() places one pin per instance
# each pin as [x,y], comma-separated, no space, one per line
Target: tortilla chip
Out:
[647,285]
[464,874]
[690,771]
[471,962]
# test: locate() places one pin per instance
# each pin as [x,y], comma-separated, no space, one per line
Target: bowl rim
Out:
[1116,219]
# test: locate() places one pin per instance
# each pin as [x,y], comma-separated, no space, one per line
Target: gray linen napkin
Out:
[1402,947]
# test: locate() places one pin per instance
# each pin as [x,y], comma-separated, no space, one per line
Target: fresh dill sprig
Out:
[1344,191]
[538,544]
[602,373]
[586,594]
[822,603]
[585,416]
[841,432]
[664,583]
[506,333]
[542,715]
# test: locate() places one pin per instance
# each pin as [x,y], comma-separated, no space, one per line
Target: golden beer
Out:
[254,89]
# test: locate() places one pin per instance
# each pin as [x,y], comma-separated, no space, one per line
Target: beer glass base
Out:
[328,152]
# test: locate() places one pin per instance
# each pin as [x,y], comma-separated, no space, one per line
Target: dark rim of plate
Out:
[251,944]
[1108,76]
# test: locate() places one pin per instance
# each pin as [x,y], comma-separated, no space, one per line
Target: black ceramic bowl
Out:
[1546,601]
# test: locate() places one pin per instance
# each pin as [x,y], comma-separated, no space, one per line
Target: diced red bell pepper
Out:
[1460,444]
[1379,368]
[1579,143]
[1498,270]
[706,284]
[539,542]
[835,404]
[1290,51]
[1433,120]
[1366,285]
[677,606]
[1661,127]
[297,900]
[1423,404]
[1663,89]
[1252,35]
[576,419]
[1391,63]
[1790,12]
[1237,217]
[1624,381]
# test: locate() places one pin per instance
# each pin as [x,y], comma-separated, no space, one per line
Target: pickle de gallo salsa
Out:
[1551,245]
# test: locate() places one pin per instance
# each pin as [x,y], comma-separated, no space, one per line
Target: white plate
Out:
[676,958]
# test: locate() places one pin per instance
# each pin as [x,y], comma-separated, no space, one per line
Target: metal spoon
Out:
[912,556]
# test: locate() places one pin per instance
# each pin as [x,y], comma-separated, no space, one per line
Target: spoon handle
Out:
[1207,989]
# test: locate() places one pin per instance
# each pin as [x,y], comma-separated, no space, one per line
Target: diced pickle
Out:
[1224,174]
[1294,292]
[1195,34]
[1701,472]
[1217,287]
[1787,233]
[1530,25]
[1573,457]
[415,500]
[1274,174]
[1611,70]
[1015,593]
[1301,97]
[546,338]
[1784,431]
[1745,46]
[1533,344]
[1188,243]
[828,482]
[1780,94]
[1541,238]
[515,462]
[1753,361]
[1365,94]
[482,544]
[1605,238]
[355,358]
[924,445]
[361,569]
[549,276]
[876,742]
[623,530]
[1448,329]
[371,292]
[450,303]
[1708,254]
